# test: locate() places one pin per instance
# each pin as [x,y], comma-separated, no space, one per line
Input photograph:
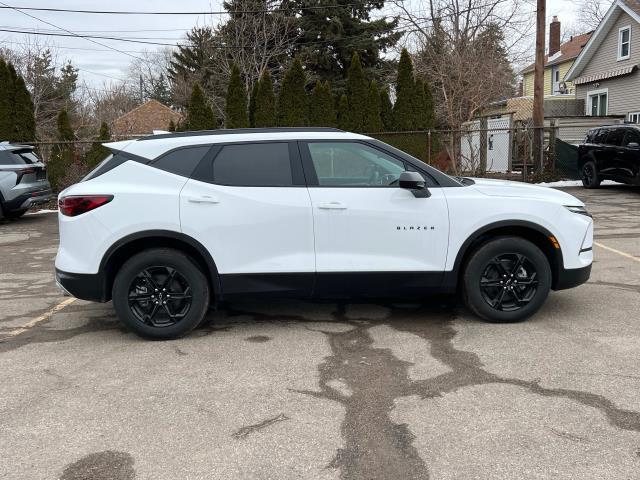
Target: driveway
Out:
[298,390]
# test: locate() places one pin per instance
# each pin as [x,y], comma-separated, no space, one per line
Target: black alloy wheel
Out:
[590,177]
[509,282]
[160,296]
[506,279]
[161,293]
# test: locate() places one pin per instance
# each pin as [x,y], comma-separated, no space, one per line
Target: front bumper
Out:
[28,199]
[571,277]
[85,286]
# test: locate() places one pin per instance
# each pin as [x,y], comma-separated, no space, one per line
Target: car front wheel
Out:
[590,177]
[506,280]
[160,294]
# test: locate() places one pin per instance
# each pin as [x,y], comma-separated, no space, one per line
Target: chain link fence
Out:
[495,148]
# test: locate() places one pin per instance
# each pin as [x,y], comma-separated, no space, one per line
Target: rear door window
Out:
[632,136]
[615,136]
[253,165]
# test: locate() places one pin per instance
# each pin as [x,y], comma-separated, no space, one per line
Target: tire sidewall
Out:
[169,258]
[596,179]
[478,262]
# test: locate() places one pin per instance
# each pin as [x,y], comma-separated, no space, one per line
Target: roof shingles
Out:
[568,51]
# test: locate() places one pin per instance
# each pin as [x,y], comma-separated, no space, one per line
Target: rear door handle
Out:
[332,206]
[204,199]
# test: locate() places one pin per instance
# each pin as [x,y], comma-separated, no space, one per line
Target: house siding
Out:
[527,85]
[623,92]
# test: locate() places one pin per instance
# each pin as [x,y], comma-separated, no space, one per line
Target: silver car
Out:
[23,180]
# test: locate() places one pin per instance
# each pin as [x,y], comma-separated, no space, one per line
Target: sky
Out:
[99,64]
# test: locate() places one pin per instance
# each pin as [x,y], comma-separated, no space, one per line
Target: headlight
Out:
[578,209]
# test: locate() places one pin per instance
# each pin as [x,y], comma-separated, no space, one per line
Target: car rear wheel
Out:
[160,294]
[506,280]
[589,175]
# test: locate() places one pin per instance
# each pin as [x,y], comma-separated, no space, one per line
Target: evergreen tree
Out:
[321,110]
[345,27]
[292,101]
[357,95]
[424,117]
[404,109]
[6,102]
[23,114]
[265,104]
[17,120]
[199,114]
[386,110]
[373,120]
[99,152]
[343,113]
[252,103]
[62,154]
[236,108]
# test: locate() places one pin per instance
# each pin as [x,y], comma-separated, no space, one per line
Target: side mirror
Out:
[415,182]
[633,145]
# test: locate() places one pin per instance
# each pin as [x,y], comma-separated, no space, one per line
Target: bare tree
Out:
[591,12]
[464,49]
[257,36]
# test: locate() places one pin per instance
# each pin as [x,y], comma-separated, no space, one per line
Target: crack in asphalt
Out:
[375,447]
[249,429]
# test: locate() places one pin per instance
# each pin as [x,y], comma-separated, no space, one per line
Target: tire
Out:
[154,276]
[15,214]
[524,289]
[589,175]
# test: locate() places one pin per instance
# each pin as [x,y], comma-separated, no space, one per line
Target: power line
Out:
[222,12]
[144,42]
[68,31]
[25,44]
[90,38]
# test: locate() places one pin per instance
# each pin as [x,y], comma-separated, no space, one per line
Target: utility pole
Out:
[538,87]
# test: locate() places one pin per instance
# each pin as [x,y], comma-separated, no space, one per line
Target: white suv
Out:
[171,224]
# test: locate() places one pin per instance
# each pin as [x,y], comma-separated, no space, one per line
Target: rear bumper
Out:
[28,200]
[85,286]
[571,277]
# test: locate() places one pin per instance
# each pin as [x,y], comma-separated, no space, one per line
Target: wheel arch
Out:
[129,245]
[535,233]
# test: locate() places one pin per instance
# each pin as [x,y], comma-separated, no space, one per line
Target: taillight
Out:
[75,205]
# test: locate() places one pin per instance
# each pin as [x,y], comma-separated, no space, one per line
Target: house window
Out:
[634,117]
[624,43]
[597,103]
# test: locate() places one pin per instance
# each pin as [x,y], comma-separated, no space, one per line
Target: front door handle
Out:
[332,206]
[204,199]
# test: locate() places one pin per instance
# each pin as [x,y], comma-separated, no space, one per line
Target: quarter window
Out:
[352,164]
[253,165]
[182,161]
[624,43]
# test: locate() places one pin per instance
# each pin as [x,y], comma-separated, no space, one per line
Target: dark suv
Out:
[610,153]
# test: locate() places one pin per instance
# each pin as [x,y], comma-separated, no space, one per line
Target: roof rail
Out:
[231,131]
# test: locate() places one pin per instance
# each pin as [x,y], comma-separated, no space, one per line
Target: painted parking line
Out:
[624,254]
[45,316]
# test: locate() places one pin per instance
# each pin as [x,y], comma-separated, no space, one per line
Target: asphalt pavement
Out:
[301,390]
